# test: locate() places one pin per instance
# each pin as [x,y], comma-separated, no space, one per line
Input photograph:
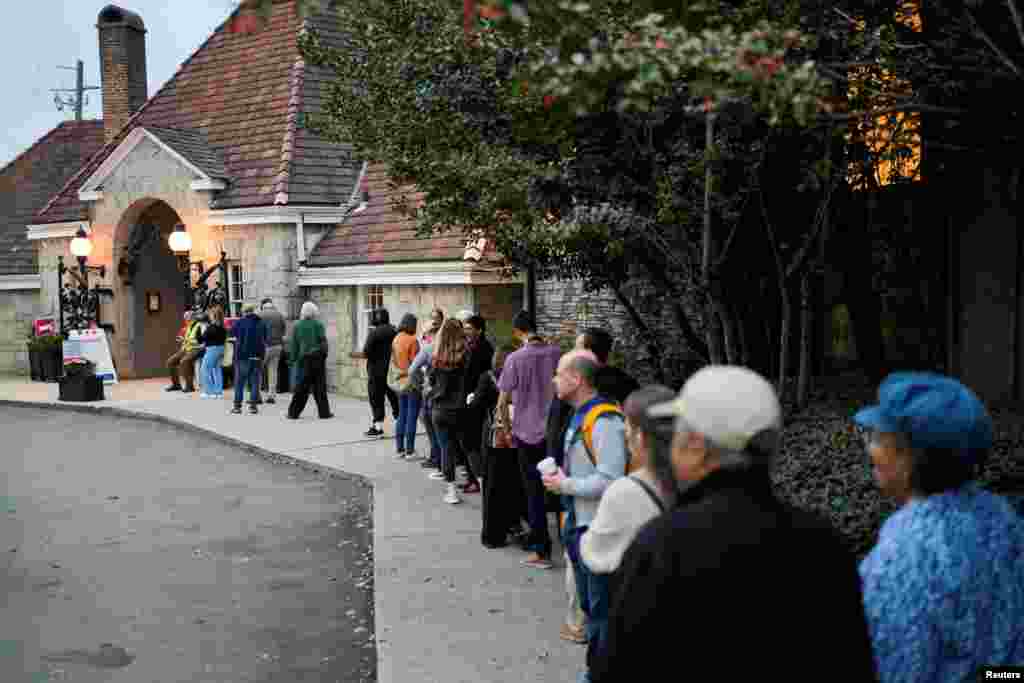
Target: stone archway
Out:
[149,279]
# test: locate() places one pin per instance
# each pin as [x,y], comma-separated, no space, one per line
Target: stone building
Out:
[220,149]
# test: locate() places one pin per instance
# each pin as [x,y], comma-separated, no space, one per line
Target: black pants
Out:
[314,379]
[539,540]
[377,387]
[504,503]
[471,425]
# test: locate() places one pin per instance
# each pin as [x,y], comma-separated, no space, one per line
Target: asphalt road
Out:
[134,551]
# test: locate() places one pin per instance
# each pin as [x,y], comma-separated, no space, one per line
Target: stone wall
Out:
[17,311]
[564,309]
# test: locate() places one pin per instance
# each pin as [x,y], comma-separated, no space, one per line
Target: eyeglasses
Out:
[871,438]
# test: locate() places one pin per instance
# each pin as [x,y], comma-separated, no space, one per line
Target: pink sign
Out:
[44,326]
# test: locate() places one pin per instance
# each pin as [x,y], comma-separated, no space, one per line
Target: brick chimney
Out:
[123,66]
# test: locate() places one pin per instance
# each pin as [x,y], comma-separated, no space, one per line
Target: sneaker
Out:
[412,455]
[427,465]
[253,410]
[188,391]
[237,410]
[537,561]
[452,496]
[373,432]
[205,396]
[437,476]
[271,400]
[471,487]
[328,416]
[400,455]
[574,634]
[173,387]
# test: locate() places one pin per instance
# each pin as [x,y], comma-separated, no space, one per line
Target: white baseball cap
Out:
[728,404]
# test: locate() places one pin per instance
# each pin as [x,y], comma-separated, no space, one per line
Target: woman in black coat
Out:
[504,502]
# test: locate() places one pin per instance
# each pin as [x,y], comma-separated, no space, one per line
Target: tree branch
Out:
[653,347]
[980,32]
[1016,20]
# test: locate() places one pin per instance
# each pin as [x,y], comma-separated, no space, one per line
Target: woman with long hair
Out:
[448,394]
[211,374]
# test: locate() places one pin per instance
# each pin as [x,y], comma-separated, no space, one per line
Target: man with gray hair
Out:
[595,456]
[741,580]
[276,325]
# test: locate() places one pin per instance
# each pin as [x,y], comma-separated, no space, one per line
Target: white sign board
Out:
[92,345]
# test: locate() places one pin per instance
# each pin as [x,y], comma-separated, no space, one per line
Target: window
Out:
[236,288]
[371,298]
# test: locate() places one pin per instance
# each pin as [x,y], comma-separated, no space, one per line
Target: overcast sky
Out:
[37,36]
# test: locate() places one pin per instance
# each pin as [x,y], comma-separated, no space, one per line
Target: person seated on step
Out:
[184,360]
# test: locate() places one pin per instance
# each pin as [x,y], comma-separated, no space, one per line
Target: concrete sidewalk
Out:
[447,609]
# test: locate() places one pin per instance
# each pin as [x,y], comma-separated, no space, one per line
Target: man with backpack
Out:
[595,456]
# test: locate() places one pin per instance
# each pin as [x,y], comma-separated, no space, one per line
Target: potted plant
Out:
[35,362]
[50,350]
[80,382]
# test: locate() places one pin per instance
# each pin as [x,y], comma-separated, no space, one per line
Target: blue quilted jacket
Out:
[944,588]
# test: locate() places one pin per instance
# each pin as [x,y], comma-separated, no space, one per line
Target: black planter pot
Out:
[51,364]
[81,388]
[35,365]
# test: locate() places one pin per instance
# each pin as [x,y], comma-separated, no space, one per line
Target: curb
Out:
[271,456]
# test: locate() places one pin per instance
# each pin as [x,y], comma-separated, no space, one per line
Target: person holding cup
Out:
[590,470]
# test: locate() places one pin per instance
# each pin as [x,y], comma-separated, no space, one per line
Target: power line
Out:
[79,101]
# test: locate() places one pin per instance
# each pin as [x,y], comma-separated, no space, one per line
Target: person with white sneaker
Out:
[213,338]
[448,394]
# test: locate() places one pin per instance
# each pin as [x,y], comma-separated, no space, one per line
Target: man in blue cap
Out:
[944,586]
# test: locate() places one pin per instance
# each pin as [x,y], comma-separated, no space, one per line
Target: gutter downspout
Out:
[300,241]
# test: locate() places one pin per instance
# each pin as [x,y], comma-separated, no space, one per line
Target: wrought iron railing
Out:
[79,307]
[203,296]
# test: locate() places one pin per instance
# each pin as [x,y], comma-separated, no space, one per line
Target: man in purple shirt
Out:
[526,383]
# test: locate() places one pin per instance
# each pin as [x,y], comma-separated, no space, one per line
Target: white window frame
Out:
[370,297]
[235,303]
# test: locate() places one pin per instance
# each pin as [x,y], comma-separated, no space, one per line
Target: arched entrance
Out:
[154,293]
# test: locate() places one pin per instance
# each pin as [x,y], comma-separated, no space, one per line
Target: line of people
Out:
[259,342]
[673,538]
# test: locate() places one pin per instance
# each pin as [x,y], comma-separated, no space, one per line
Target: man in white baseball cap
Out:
[739,580]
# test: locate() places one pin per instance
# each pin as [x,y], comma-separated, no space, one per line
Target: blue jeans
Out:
[428,423]
[211,374]
[445,435]
[408,412]
[248,371]
[296,376]
[592,591]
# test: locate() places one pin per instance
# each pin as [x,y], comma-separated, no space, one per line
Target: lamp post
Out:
[82,305]
[180,243]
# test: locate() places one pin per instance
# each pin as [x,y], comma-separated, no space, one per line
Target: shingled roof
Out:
[382,233]
[244,93]
[27,182]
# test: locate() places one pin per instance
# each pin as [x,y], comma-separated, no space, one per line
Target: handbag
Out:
[500,437]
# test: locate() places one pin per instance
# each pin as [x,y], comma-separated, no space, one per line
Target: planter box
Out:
[35,364]
[51,364]
[81,388]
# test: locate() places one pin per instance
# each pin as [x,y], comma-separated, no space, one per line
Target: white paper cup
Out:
[547,466]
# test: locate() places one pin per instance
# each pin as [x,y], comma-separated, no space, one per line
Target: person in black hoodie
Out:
[377,350]
[479,359]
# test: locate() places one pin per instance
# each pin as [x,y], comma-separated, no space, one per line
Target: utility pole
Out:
[79,101]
